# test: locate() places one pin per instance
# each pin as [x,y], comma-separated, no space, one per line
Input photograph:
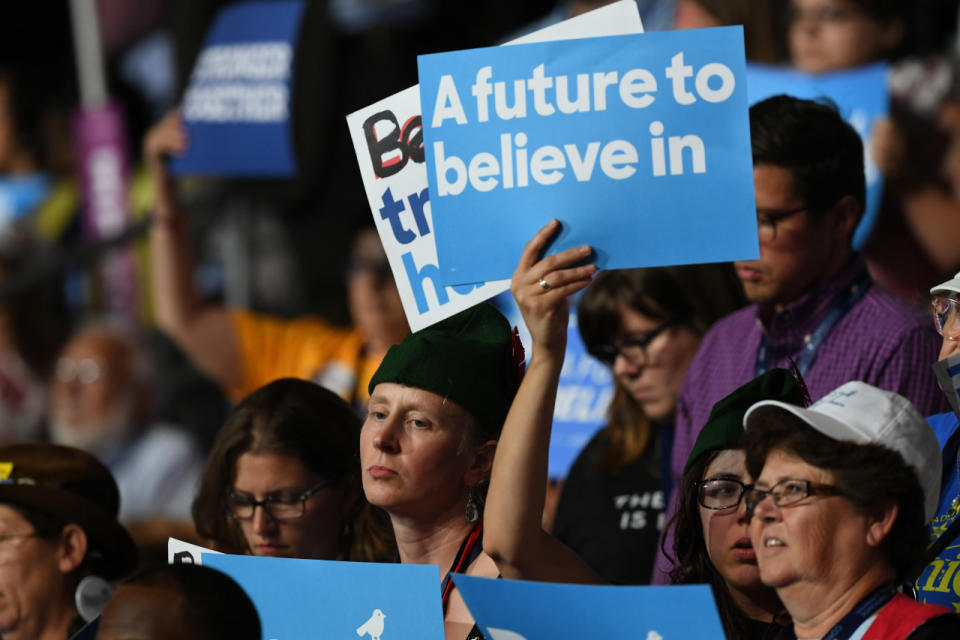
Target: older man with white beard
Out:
[100,402]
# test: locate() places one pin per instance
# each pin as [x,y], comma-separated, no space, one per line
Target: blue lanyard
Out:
[842,303]
[852,621]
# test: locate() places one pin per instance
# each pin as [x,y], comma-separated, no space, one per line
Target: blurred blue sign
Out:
[325,599]
[520,610]
[639,144]
[862,97]
[237,105]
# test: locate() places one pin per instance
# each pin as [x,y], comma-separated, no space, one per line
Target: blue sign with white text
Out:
[520,610]
[639,144]
[237,107]
[862,97]
[299,599]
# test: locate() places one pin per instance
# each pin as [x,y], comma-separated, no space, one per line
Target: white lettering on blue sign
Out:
[516,164]
[240,83]
[257,61]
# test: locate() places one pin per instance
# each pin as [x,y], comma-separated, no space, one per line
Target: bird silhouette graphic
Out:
[373,626]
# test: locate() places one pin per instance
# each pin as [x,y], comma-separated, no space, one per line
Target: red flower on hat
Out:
[518,366]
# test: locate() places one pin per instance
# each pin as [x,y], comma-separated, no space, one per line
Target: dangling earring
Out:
[472,512]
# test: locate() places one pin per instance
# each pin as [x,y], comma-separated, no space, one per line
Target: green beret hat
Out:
[471,358]
[724,427]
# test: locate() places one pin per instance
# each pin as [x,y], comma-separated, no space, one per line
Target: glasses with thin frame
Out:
[633,347]
[282,505]
[946,316]
[789,491]
[721,493]
[768,219]
[86,370]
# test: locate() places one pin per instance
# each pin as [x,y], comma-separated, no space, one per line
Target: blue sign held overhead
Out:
[862,97]
[237,107]
[639,144]
[520,610]
[324,599]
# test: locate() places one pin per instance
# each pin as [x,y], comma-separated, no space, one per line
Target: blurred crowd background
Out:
[281,247]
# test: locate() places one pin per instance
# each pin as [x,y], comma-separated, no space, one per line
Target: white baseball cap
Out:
[953,284]
[862,413]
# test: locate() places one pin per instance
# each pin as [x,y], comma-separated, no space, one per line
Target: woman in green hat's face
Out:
[415,455]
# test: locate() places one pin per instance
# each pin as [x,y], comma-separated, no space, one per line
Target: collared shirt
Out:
[881,340]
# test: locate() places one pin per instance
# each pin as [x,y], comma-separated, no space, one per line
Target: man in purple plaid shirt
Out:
[814,302]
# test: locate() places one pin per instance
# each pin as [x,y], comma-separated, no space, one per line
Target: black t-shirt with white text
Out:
[613,520]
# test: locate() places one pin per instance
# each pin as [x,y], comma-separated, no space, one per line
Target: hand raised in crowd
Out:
[542,288]
[513,535]
[204,331]
[166,139]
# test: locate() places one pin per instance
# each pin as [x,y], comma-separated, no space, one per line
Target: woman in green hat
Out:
[437,404]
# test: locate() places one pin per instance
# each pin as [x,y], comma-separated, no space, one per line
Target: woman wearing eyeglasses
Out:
[841,494]
[282,480]
[711,542]
[646,325]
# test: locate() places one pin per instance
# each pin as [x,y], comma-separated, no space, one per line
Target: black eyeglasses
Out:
[633,347]
[789,491]
[282,505]
[768,219]
[721,493]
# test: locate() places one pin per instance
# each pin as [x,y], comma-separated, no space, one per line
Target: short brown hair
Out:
[869,475]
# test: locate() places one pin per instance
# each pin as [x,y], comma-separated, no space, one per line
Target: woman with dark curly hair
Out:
[283,480]
[841,495]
